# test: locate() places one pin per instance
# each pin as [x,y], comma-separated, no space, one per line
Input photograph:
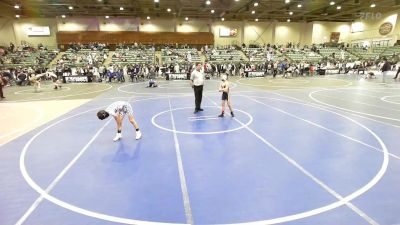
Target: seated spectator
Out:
[22,79]
[120,76]
[110,76]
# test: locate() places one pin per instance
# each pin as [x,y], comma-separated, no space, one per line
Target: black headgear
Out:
[102,114]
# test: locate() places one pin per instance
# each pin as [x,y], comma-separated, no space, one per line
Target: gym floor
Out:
[308,150]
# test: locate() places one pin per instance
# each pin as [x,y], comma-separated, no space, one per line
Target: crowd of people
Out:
[88,60]
[26,55]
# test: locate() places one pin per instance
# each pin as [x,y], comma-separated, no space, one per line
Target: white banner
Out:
[38,31]
[76,79]
[178,76]
[331,71]
[227,32]
[256,73]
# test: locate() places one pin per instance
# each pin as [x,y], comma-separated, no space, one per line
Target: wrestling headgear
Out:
[102,114]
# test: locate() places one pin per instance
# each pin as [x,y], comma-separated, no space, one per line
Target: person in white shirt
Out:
[197,82]
[118,110]
[96,72]
[176,68]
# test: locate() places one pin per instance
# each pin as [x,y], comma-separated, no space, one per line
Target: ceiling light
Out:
[148,17]
[16,6]
[63,16]
[156,1]
[107,17]
[222,18]
[18,16]
[212,11]
[121,8]
[208,2]
[99,0]
[299,5]
[290,13]
[373,5]
[169,10]
[287,1]
[332,3]
[253,12]
[339,7]
[256,19]
[236,0]
[70,7]
[288,20]
[255,4]
[186,18]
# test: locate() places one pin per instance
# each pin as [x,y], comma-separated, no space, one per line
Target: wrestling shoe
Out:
[117,137]
[138,135]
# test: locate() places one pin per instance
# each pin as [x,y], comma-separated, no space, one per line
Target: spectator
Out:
[385,68]
[2,83]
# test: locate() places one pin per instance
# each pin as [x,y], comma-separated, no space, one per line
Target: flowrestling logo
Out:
[370,15]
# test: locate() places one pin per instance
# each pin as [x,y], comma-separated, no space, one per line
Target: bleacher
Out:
[27,58]
[180,55]
[328,52]
[298,55]
[376,52]
[256,54]
[133,56]
[261,54]
[364,53]
[379,49]
[80,58]
[222,55]
[391,51]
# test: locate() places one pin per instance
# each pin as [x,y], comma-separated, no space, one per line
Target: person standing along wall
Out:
[2,83]
[397,73]
[385,68]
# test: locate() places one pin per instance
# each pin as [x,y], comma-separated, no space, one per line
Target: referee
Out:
[197,82]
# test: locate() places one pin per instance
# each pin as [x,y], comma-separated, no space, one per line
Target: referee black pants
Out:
[198,95]
[397,74]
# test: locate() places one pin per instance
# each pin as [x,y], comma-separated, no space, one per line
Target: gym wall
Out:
[247,31]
